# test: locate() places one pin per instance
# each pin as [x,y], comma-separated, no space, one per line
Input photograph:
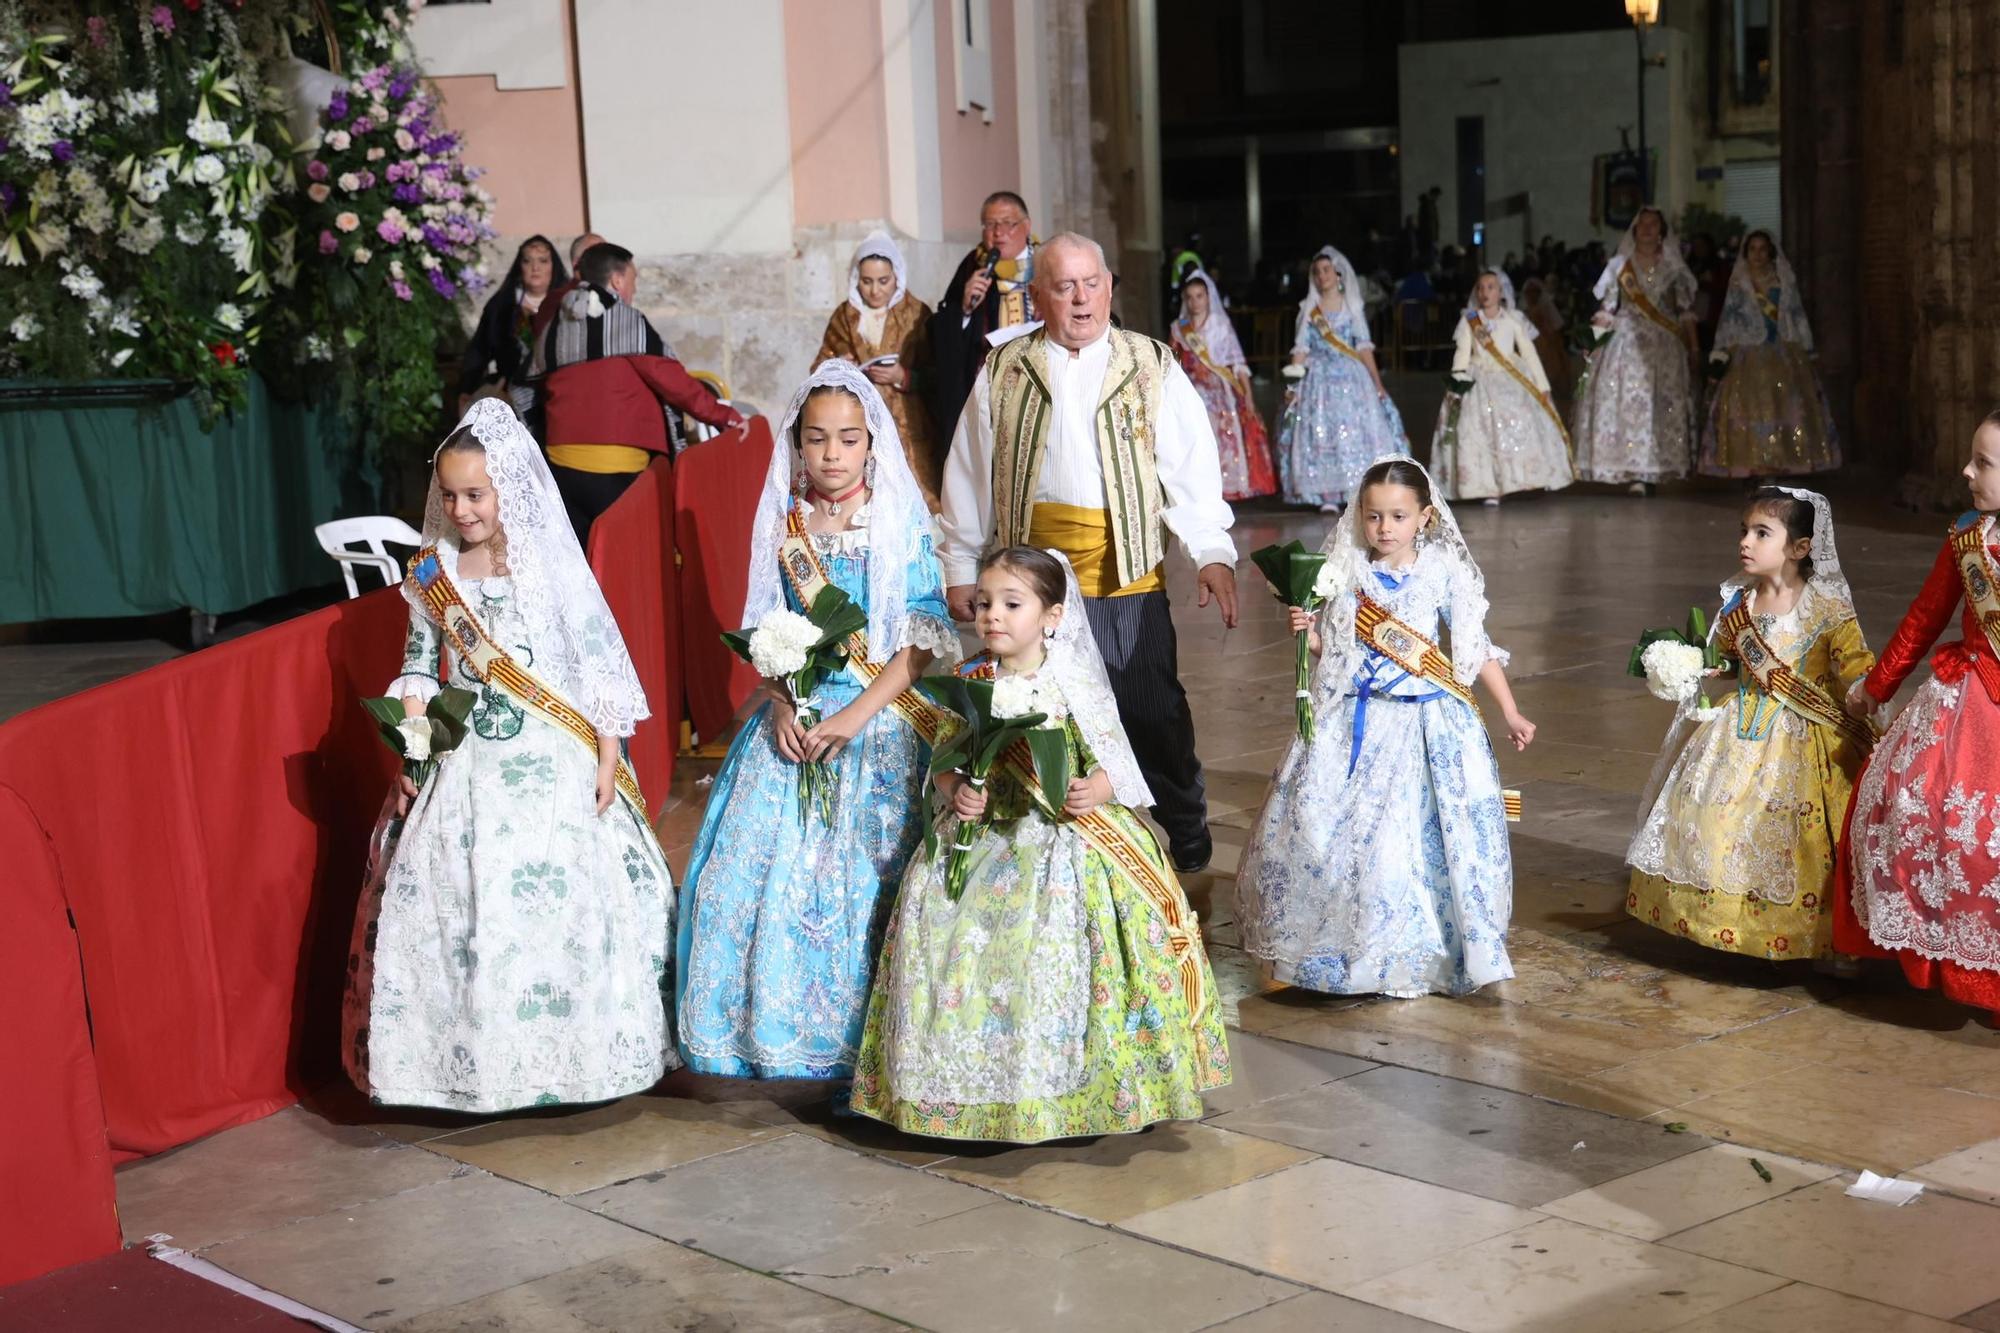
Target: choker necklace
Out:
[833,503]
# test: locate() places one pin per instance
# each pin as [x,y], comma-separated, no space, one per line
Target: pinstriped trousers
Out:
[1135,636]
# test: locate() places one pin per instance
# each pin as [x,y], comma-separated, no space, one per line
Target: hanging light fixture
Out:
[1644,13]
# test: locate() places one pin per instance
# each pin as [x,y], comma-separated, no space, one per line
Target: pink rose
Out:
[318,192]
[347,221]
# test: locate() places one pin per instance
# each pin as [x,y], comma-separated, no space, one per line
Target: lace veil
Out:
[575,640]
[1506,292]
[1352,296]
[878,245]
[1670,255]
[1827,583]
[897,521]
[1078,670]
[1742,323]
[1218,333]
[1349,557]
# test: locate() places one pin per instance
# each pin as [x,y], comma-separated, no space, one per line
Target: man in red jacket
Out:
[607,384]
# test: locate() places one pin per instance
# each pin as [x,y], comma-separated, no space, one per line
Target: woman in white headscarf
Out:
[1205,342]
[510,945]
[1735,848]
[1337,416]
[1769,416]
[1498,430]
[783,902]
[1633,421]
[881,327]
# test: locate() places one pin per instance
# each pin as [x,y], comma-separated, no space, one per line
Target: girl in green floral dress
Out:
[1065,991]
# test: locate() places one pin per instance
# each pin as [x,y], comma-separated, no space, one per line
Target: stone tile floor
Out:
[1569,1150]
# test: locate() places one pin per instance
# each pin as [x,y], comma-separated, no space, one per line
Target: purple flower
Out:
[435,237]
[362,125]
[98,30]
[316,170]
[441,144]
[336,109]
[61,150]
[163,19]
[328,242]
[389,232]
[454,192]
[409,194]
[399,87]
[6,145]
[402,290]
[444,285]
[9,196]
[367,178]
[438,170]
[6,94]
[372,80]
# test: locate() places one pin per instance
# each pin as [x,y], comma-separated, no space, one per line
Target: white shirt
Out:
[1184,453]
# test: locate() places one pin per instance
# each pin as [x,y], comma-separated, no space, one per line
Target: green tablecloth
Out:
[125,506]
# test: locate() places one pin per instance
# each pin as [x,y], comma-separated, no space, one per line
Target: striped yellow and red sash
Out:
[1408,649]
[495,666]
[1539,394]
[1323,327]
[1736,635]
[1628,284]
[1982,581]
[807,576]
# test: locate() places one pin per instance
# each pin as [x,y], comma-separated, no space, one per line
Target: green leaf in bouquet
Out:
[387,712]
[1275,563]
[837,615]
[1303,573]
[1002,734]
[1634,666]
[448,712]
[738,641]
[1050,748]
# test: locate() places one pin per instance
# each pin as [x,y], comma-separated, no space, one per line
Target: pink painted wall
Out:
[978,158]
[527,141]
[833,67]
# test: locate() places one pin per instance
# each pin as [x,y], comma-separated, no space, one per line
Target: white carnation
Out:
[208,169]
[1327,582]
[1673,670]
[417,734]
[349,182]
[208,132]
[779,645]
[229,317]
[83,284]
[338,140]
[25,328]
[1013,696]
[132,105]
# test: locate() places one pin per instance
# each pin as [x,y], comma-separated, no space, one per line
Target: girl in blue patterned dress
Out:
[1338,416]
[1379,863]
[781,911]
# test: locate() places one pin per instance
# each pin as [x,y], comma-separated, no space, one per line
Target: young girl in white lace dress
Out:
[1379,863]
[511,944]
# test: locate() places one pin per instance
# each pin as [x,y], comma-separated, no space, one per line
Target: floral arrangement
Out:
[1302,579]
[997,714]
[1673,661]
[800,652]
[422,742]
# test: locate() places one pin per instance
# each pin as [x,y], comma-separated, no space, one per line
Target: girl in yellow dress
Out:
[1736,849]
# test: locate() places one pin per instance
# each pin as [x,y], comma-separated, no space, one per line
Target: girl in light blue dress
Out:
[1338,417]
[1379,863]
[782,909]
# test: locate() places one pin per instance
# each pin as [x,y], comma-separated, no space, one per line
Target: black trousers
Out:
[585,495]
[1135,634]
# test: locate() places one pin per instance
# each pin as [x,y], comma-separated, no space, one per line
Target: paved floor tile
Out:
[1487,1141]
[1972,1173]
[1686,1192]
[658,1288]
[1703,1069]
[1324,1312]
[1799,1308]
[1330,1224]
[1934,1256]
[424,1249]
[1261,1069]
[590,1148]
[272,1171]
[1121,1175]
[1558,1277]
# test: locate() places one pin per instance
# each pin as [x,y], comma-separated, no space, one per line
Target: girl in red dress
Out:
[1920,864]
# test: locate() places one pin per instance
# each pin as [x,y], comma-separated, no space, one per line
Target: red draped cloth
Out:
[717,485]
[1958,760]
[632,555]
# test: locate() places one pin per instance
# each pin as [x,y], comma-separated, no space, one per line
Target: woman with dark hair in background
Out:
[498,352]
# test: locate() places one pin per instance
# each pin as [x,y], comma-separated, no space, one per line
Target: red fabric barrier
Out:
[632,555]
[715,502]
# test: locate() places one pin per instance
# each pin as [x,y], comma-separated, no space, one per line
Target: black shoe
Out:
[1190,857]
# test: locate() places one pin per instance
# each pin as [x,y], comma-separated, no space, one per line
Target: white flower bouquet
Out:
[423,741]
[800,652]
[1303,579]
[1673,661]
[999,715]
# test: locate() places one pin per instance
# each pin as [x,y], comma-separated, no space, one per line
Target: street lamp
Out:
[1644,14]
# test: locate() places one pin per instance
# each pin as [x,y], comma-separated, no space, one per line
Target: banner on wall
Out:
[1618,189]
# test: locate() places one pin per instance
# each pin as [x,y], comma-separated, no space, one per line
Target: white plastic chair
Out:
[370,532]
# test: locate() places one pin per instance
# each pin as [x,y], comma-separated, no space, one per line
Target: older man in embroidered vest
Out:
[1092,440]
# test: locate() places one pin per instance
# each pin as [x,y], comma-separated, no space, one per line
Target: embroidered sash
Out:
[1324,328]
[495,666]
[1768,308]
[1540,395]
[1981,579]
[1143,866]
[808,578]
[1417,655]
[1736,633]
[1628,285]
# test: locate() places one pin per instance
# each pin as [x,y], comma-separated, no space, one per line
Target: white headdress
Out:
[1077,667]
[1353,298]
[878,245]
[896,518]
[1217,331]
[575,639]
[1742,323]
[1506,292]
[1349,557]
[1827,581]
[1670,253]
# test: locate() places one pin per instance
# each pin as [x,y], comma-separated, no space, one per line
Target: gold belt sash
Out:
[1769,309]
[1736,634]
[1536,392]
[1981,579]
[495,666]
[1084,535]
[1633,292]
[808,578]
[1408,649]
[1324,329]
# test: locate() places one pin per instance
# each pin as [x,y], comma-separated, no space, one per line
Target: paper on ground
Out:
[1897,1192]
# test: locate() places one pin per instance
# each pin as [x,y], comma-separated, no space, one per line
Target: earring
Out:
[868,471]
[1048,631]
[801,483]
